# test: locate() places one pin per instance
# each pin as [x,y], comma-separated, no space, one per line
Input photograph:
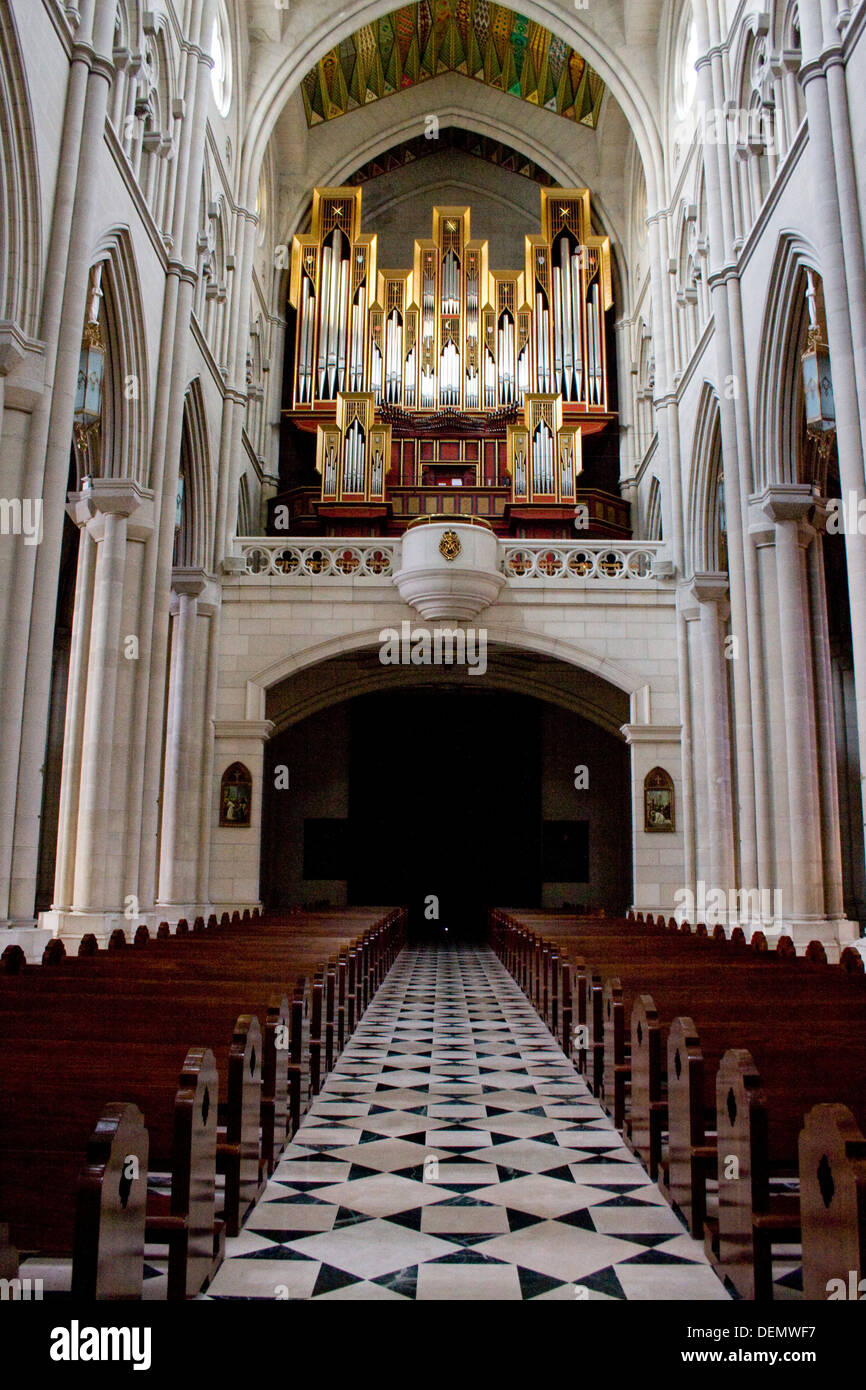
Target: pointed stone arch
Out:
[125,451]
[304,42]
[702,547]
[20,216]
[194,546]
[654,527]
[777,442]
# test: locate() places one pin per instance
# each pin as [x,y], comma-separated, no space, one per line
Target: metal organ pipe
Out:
[353,466]
[576,333]
[523,372]
[342,325]
[545,342]
[359,323]
[557,325]
[489,379]
[333,320]
[596,341]
[567,324]
[539,341]
[450,284]
[324,317]
[394,358]
[305,356]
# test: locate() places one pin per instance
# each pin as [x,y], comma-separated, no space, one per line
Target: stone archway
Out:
[449,792]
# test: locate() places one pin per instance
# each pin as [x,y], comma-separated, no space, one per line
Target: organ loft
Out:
[450,388]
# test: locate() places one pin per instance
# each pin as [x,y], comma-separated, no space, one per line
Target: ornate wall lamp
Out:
[91,378]
[818,380]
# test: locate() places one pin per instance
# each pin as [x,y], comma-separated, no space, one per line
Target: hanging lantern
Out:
[91,374]
[817,375]
[178,515]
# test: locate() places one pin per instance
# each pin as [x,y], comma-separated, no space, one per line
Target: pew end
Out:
[186,1220]
[108,1252]
[832,1153]
[648,1111]
[751,1221]
[691,1157]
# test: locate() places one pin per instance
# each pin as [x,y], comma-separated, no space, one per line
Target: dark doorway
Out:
[445,805]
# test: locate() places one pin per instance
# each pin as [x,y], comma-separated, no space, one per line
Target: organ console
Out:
[450,374]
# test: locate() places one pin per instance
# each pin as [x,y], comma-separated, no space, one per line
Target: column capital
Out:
[189,583]
[112,497]
[22,364]
[782,502]
[709,587]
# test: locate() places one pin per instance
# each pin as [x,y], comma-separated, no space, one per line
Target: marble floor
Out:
[455,1154]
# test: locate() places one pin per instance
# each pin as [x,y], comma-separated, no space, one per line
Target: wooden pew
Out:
[46,1126]
[767,989]
[755,1118]
[149,992]
[96,1190]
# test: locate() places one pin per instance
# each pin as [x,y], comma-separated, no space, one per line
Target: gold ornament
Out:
[450,546]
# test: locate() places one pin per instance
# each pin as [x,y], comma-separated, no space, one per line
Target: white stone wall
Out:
[275,629]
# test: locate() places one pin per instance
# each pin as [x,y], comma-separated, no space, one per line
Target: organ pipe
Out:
[454,333]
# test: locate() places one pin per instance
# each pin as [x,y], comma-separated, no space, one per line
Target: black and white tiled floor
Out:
[454,1153]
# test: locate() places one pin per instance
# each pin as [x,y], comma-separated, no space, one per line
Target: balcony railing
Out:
[582,560]
[566,562]
[328,558]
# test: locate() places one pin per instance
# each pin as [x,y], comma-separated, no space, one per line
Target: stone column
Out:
[736,446]
[841,253]
[76,699]
[172,381]
[88,832]
[710,592]
[828,782]
[32,595]
[181,802]
[788,509]
[236,850]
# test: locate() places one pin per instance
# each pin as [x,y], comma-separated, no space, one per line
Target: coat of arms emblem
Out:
[450,546]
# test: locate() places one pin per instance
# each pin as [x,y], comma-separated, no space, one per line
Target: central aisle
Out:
[454,1153]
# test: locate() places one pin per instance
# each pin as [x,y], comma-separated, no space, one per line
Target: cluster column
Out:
[92,892]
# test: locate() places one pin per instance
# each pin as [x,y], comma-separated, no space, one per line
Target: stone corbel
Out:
[22,364]
[797,502]
[115,496]
[712,588]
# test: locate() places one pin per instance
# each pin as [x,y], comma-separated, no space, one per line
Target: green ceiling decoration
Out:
[481,40]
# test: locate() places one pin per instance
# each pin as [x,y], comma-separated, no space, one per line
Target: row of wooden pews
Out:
[737,1074]
[147,1090]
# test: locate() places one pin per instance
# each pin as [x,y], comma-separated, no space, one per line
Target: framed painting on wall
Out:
[658,802]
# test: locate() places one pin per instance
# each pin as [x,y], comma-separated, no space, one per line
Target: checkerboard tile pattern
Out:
[454,1153]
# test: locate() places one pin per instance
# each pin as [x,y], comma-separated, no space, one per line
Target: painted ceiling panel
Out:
[453,138]
[483,41]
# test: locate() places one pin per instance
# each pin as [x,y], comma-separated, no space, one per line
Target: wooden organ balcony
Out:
[450,388]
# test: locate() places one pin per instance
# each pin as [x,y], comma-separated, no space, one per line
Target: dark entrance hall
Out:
[445,804]
[446,800]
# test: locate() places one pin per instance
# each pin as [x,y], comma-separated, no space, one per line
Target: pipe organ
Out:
[353,454]
[451,348]
[544,455]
